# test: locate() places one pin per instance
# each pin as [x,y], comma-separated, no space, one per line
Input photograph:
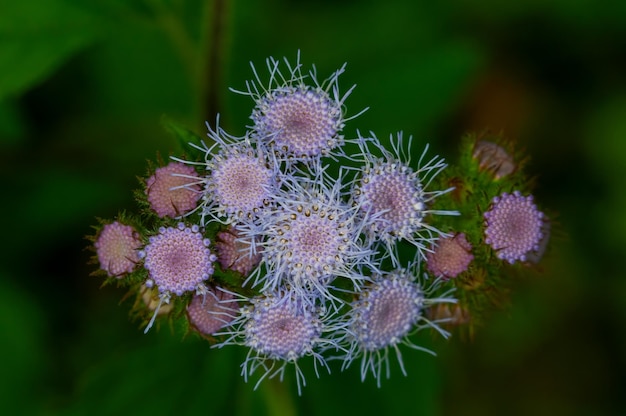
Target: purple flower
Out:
[395,195]
[279,330]
[211,311]
[240,182]
[240,178]
[295,114]
[173,190]
[513,226]
[235,252]
[450,256]
[299,121]
[385,313]
[117,248]
[310,238]
[178,260]
[493,158]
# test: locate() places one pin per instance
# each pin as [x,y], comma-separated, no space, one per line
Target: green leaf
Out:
[159,376]
[180,132]
[21,325]
[12,127]
[36,38]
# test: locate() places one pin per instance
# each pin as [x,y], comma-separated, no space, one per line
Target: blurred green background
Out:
[84,85]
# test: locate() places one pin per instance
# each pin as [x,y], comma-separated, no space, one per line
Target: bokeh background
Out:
[84,86]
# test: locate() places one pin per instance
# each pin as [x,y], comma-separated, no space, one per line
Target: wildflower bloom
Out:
[299,121]
[279,330]
[211,311]
[513,226]
[383,316]
[239,180]
[117,248]
[394,195]
[493,158]
[235,253]
[178,259]
[173,190]
[450,256]
[309,239]
[295,114]
[318,235]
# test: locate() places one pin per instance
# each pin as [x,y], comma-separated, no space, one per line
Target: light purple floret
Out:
[178,259]
[211,311]
[280,330]
[386,313]
[301,122]
[117,246]
[513,226]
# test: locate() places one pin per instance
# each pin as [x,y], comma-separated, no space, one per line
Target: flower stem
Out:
[212,44]
[202,58]
[278,399]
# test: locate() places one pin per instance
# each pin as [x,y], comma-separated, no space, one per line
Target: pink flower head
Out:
[178,259]
[240,183]
[393,192]
[450,257]
[395,196]
[513,226]
[117,246]
[211,311]
[173,190]
[382,317]
[297,115]
[279,329]
[386,312]
[300,121]
[235,254]
[494,159]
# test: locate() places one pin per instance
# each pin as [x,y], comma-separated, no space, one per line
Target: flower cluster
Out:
[501,230]
[297,240]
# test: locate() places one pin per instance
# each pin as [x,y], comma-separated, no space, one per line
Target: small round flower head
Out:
[383,316]
[394,195]
[178,259]
[450,256]
[279,330]
[211,311]
[235,253]
[298,119]
[310,239]
[241,183]
[493,158]
[513,226]
[173,190]
[117,248]
[240,180]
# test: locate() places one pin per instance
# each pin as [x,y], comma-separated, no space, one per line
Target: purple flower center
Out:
[178,259]
[387,312]
[513,226]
